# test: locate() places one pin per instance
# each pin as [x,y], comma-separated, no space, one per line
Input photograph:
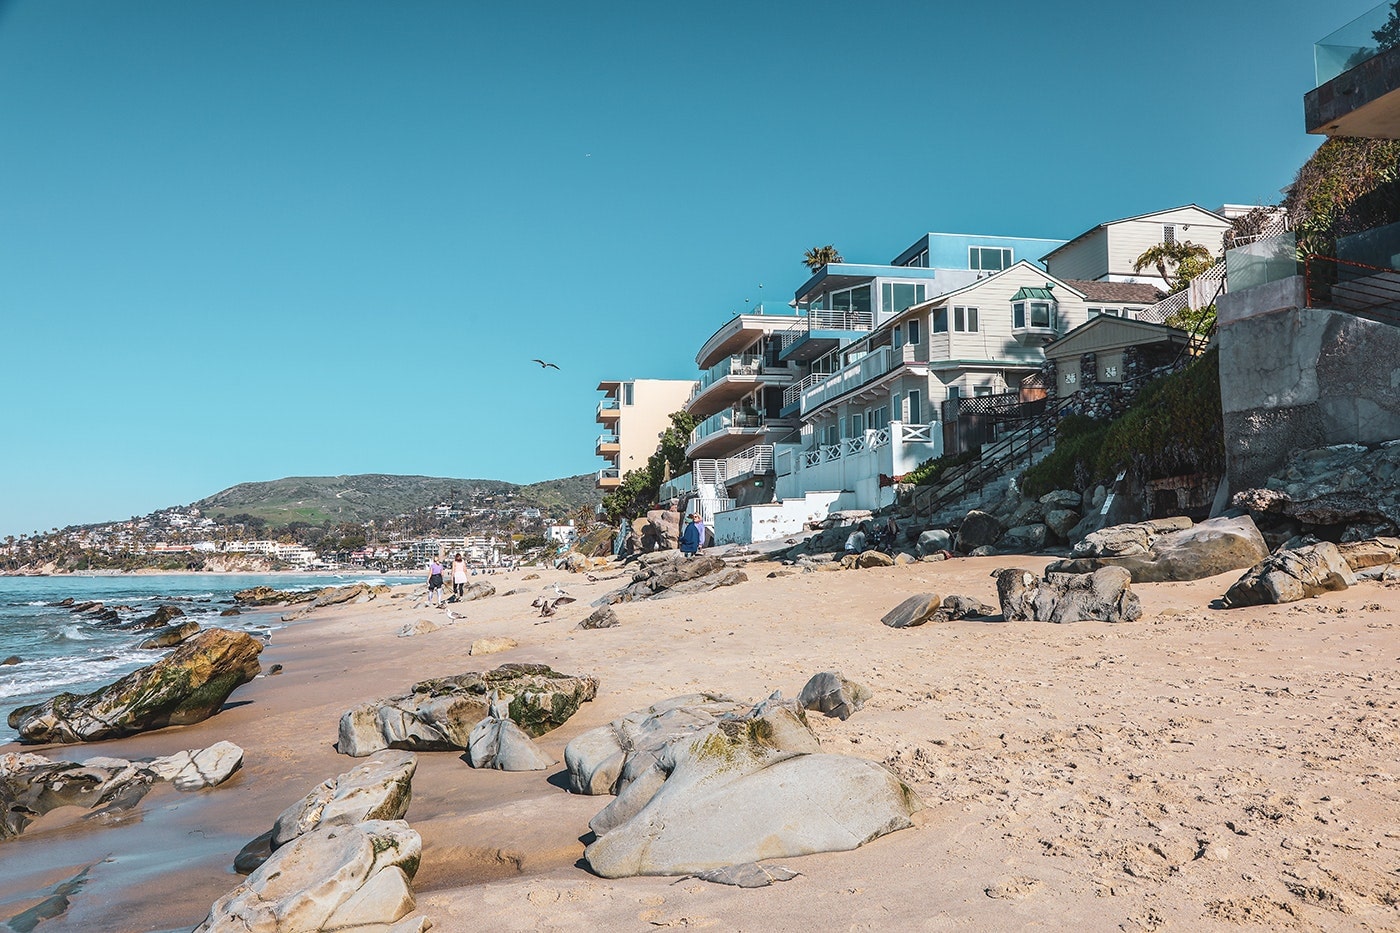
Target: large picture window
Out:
[900,295]
[989,258]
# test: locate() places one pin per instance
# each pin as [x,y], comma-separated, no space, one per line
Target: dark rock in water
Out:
[274,670]
[1103,595]
[439,715]
[232,611]
[65,603]
[172,635]
[11,660]
[1292,575]
[89,606]
[158,619]
[188,686]
[603,617]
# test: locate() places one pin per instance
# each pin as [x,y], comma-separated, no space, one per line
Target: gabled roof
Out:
[1130,333]
[1123,220]
[1047,278]
[1137,293]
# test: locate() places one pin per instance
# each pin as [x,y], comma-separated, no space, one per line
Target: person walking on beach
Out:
[435,583]
[459,578]
[693,535]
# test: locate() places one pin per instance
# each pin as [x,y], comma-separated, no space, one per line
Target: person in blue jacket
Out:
[693,535]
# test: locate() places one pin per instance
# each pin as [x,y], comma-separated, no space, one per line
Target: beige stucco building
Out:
[634,413]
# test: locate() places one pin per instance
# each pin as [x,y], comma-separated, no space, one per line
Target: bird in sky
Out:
[544,365]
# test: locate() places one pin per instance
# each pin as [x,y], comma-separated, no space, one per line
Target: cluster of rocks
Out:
[1345,493]
[1163,550]
[165,632]
[354,593]
[187,686]
[922,608]
[341,858]
[440,714]
[671,573]
[704,783]
[1104,595]
[32,785]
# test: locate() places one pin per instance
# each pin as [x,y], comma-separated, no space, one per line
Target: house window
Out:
[940,320]
[989,258]
[895,402]
[982,390]
[852,299]
[1169,234]
[857,425]
[897,338]
[965,320]
[1095,312]
[1018,314]
[879,418]
[900,295]
[831,434]
[954,392]
[916,408]
[627,393]
[1042,314]
[1131,313]
[913,331]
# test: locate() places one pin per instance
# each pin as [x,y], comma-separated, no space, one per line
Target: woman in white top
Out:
[459,576]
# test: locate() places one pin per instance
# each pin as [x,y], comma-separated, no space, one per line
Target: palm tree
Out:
[1186,259]
[819,256]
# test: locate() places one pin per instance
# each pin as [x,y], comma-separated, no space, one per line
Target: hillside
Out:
[316,499]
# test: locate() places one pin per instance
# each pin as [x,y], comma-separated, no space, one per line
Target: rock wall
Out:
[1293,377]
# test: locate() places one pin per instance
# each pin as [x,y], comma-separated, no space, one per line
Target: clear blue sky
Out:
[245,240]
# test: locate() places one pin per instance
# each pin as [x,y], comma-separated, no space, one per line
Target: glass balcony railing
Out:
[723,421]
[1361,39]
[729,366]
[1261,262]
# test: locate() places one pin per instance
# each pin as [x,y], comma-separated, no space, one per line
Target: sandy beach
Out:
[1196,770]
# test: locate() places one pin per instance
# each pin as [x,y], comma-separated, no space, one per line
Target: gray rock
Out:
[476,591]
[1343,485]
[1190,553]
[977,530]
[985,550]
[1103,595]
[869,559]
[1064,499]
[32,785]
[605,760]
[602,617]
[439,715]
[933,540]
[831,694]
[672,573]
[1373,552]
[962,607]
[351,877]
[172,635]
[742,790]
[1022,539]
[197,769]
[748,875]
[1292,575]
[1061,522]
[378,789]
[500,744]
[914,611]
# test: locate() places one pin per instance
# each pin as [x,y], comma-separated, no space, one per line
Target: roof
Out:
[1123,220]
[1117,333]
[1040,294]
[1137,293]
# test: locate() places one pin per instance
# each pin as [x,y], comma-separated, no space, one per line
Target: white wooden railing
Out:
[868,368]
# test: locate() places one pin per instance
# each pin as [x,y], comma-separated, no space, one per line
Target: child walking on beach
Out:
[435,583]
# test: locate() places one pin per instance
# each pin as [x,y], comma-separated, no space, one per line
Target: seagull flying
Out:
[544,365]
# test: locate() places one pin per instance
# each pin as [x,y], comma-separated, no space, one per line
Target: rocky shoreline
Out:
[1171,766]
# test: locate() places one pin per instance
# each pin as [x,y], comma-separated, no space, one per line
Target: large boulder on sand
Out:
[1151,555]
[341,878]
[746,788]
[1103,595]
[831,694]
[914,611]
[932,541]
[439,715]
[378,789]
[1292,575]
[605,760]
[498,743]
[198,768]
[188,686]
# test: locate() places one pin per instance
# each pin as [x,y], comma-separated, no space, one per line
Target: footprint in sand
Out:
[1013,888]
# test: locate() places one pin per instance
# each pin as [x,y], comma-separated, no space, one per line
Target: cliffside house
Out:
[1106,252]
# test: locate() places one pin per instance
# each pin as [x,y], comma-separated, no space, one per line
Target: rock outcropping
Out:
[439,715]
[1292,575]
[188,686]
[1103,595]
[1166,550]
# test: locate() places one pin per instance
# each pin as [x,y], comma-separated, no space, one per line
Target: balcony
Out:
[609,409]
[609,478]
[824,330]
[608,445]
[730,380]
[725,431]
[1357,69]
[852,376]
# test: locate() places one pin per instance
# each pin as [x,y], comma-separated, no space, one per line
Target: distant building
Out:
[1106,252]
[634,414]
[562,534]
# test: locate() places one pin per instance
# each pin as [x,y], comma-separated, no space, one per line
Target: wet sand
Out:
[1196,770]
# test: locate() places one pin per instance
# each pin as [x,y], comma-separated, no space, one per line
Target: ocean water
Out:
[62,651]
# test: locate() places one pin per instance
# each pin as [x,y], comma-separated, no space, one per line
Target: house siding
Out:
[1086,259]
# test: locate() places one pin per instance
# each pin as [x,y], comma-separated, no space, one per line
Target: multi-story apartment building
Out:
[634,413]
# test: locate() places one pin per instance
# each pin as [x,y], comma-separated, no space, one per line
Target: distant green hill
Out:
[315,499]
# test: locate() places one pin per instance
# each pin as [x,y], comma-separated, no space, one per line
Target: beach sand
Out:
[1195,770]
